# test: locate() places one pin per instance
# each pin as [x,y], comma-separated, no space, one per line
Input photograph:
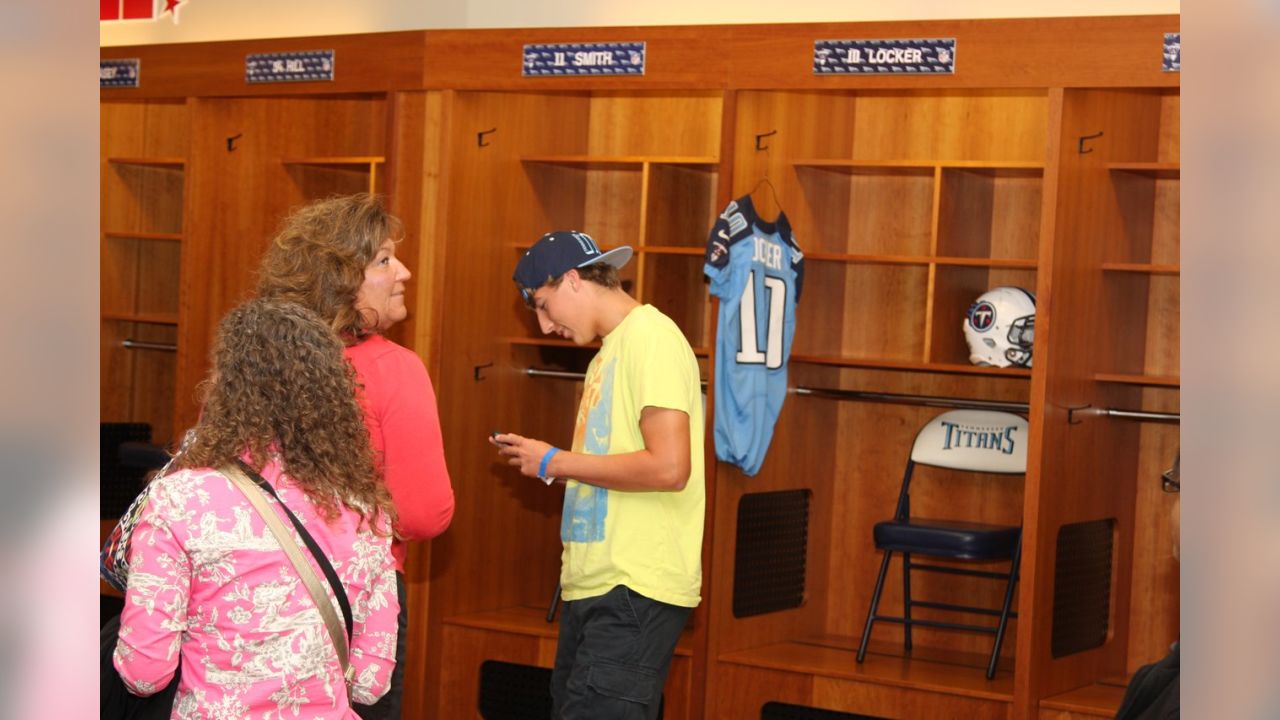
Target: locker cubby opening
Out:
[862,311]
[675,285]
[990,212]
[867,209]
[140,276]
[138,384]
[321,177]
[956,288]
[143,195]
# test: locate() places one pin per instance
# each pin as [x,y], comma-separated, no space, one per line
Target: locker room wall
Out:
[207,20]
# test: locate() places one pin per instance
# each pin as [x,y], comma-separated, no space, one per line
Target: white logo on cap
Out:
[588,245]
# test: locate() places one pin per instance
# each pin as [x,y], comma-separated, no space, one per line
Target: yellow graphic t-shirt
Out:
[649,541]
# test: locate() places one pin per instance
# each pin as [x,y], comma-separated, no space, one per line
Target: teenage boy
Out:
[631,568]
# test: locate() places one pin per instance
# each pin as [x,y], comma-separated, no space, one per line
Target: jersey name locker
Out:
[756,269]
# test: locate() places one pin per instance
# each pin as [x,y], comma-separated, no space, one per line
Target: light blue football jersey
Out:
[756,269]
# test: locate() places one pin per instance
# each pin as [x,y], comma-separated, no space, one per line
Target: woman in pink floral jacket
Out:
[210,587]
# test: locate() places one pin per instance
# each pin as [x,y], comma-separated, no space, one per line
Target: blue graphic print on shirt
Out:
[586,507]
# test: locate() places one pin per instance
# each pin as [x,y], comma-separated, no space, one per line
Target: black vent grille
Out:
[769,561]
[1082,586]
[783,711]
[514,692]
[119,485]
[510,691]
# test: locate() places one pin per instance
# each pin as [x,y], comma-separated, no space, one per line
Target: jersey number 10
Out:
[750,353]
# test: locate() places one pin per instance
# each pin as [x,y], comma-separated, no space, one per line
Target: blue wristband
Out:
[542,469]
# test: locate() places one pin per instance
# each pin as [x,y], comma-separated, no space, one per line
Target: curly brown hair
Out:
[281,387]
[318,259]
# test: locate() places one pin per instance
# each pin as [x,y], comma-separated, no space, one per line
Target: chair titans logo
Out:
[146,10]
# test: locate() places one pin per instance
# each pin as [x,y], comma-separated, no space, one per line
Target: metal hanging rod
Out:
[144,345]
[1124,414]
[927,400]
[965,403]
[561,374]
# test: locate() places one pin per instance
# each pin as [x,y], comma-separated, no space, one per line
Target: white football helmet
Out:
[1000,328]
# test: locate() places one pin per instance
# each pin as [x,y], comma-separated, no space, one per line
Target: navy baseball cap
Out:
[556,253]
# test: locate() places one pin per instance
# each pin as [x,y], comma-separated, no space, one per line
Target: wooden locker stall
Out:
[911,196]
[1115,345]
[630,161]
[200,167]
[143,152]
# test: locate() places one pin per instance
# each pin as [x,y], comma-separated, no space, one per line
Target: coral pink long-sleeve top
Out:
[404,427]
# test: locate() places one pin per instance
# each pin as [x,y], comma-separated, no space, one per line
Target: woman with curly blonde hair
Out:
[209,584]
[338,257]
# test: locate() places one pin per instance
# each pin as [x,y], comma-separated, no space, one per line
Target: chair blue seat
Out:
[968,441]
[947,538]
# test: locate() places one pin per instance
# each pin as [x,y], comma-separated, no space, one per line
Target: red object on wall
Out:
[138,9]
[110,10]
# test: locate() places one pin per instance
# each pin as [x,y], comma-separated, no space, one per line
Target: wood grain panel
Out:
[876,691]
[502,549]
[889,214]
[1084,471]
[1170,126]
[677,289]
[1154,621]
[793,126]
[238,199]
[367,62]
[681,206]
[624,124]
[675,57]
[989,214]
[1166,218]
[1004,125]
[1014,53]
[139,274]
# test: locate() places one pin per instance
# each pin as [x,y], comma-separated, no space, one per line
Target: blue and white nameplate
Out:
[561,59]
[305,66]
[119,73]
[1173,52]
[885,57]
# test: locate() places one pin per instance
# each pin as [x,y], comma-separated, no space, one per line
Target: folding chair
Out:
[979,441]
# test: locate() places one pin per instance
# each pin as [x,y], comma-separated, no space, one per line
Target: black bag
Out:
[117,702]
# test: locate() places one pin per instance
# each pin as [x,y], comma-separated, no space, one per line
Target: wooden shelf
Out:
[152,318]
[1159,170]
[1013,263]
[1147,268]
[1100,700]
[670,250]
[149,161]
[532,621]
[1172,381]
[633,162]
[951,673]
[920,167]
[864,259]
[911,366]
[165,237]
[339,161]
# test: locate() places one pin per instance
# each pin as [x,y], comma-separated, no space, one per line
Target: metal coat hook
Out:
[475,371]
[231,141]
[480,136]
[761,136]
[1080,146]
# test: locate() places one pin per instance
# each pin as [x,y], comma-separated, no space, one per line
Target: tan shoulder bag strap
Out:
[314,584]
